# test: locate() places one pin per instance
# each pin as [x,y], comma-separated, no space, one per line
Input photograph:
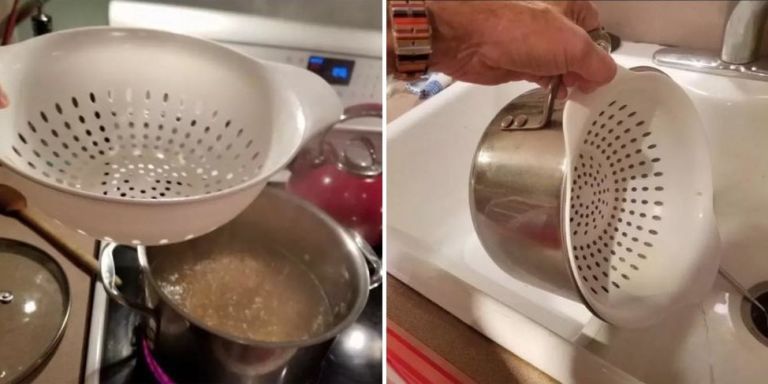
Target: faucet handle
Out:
[743,30]
[41,22]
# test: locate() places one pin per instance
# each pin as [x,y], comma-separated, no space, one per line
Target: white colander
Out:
[639,216]
[148,137]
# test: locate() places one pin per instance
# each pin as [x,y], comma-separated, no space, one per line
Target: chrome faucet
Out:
[741,38]
[739,54]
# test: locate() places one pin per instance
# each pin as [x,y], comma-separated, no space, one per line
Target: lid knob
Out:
[6,297]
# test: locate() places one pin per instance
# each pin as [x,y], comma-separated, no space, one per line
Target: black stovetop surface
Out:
[123,361]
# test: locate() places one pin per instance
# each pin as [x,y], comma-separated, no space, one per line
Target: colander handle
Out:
[108,277]
[319,103]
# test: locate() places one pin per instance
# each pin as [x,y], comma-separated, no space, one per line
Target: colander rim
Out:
[264,176]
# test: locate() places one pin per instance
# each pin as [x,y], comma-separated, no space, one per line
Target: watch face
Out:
[334,71]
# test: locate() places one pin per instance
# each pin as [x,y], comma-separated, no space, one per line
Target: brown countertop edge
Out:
[469,351]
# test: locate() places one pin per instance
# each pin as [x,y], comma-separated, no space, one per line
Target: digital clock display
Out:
[334,71]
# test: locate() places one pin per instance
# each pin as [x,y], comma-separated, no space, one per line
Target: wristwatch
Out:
[412,37]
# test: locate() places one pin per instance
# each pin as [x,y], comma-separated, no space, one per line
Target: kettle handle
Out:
[357,111]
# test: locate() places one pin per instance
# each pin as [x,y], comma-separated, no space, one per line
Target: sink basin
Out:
[432,245]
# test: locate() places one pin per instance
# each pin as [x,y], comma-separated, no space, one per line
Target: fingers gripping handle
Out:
[603,40]
[522,122]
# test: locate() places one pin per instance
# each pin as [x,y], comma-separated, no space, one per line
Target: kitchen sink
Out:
[432,245]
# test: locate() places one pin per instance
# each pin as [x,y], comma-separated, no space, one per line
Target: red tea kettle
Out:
[345,183]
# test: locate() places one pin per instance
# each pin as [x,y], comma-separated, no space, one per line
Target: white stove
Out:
[340,40]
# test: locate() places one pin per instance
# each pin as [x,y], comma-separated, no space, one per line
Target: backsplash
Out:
[654,22]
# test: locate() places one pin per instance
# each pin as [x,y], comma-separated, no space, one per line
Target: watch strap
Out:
[412,37]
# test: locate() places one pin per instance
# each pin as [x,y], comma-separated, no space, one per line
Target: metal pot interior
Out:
[276,225]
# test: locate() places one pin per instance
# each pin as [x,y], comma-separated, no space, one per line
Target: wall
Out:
[78,13]
[693,24]
[69,14]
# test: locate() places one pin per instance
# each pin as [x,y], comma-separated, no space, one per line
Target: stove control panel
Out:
[357,79]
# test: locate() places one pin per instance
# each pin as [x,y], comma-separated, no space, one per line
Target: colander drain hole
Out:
[615,185]
[67,146]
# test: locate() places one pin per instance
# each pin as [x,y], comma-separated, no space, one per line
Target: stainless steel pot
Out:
[517,192]
[516,195]
[516,189]
[183,343]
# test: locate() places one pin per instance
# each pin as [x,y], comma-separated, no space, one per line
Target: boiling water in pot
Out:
[257,294]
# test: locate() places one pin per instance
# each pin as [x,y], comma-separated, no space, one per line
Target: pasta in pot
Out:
[258,295]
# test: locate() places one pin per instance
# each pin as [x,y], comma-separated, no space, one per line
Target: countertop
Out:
[466,349]
[399,101]
[66,363]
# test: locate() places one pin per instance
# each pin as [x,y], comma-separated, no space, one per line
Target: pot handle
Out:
[524,122]
[108,278]
[376,267]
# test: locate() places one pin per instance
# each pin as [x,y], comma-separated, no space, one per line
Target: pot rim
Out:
[351,317]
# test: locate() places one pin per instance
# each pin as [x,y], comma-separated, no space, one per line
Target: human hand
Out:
[3,99]
[492,42]
[582,13]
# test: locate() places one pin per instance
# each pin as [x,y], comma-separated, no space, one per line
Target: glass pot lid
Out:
[34,306]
